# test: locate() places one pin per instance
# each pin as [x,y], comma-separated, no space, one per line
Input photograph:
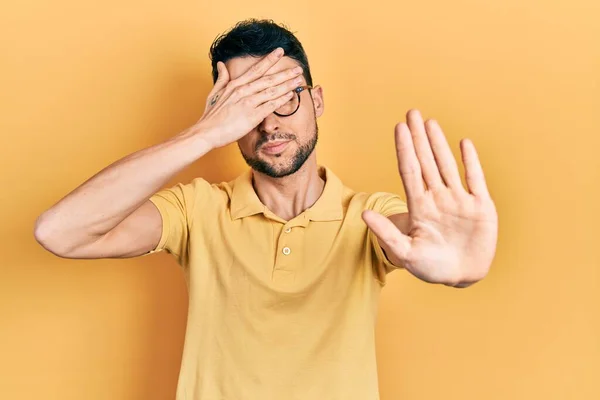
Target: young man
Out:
[284,264]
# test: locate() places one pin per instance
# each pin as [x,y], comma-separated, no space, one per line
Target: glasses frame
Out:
[298,90]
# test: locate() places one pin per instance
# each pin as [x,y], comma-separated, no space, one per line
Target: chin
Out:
[279,165]
[275,168]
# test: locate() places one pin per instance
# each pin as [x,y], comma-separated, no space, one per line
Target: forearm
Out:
[107,198]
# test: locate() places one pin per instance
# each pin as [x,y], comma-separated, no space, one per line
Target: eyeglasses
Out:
[293,105]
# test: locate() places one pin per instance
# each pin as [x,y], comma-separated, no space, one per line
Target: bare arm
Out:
[110,216]
[113,198]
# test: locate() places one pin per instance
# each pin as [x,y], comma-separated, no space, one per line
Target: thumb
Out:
[388,233]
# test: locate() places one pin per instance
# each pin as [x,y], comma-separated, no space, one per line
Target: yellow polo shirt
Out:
[278,310]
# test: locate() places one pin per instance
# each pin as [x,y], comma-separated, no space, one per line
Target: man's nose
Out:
[270,124]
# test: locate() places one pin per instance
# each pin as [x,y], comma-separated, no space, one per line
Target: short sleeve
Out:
[176,206]
[386,204]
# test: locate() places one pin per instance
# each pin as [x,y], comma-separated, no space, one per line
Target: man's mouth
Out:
[274,147]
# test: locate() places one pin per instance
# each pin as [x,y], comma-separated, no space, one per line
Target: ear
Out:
[318,101]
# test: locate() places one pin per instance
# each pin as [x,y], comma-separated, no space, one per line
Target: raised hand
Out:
[235,107]
[452,232]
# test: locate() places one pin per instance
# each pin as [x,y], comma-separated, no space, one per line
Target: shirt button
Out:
[286,250]
[288,230]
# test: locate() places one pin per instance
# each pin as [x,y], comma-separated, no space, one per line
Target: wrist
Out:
[199,137]
[209,135]
[192,144]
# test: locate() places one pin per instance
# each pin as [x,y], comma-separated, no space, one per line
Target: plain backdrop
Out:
[83,84]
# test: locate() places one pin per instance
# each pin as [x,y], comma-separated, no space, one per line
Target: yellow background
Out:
[85,83]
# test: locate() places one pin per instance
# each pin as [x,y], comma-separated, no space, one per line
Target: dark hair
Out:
[257,38]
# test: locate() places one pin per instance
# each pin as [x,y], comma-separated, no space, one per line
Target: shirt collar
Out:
[328,207]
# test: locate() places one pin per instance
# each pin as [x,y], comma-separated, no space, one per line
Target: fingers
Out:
[259,69]
[473,170]
[272,86]
[408,163]
[272,105]
[430,152]
[274,92]
[423,149]
[445,161]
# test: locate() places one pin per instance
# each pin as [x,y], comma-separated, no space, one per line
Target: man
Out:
[284,264]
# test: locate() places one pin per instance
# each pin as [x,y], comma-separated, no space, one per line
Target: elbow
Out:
[462,285]
[468,279]
[42,233]
[39,231]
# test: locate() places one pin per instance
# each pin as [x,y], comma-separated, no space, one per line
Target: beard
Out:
[296,162]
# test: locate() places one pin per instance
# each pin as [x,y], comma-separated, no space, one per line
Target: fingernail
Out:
[297,70]
[279,52]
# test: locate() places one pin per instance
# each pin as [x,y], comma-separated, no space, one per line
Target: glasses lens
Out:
[289,107]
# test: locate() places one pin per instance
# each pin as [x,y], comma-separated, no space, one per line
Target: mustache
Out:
[277,136]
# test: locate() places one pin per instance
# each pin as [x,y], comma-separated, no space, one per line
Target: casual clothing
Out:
[277,309]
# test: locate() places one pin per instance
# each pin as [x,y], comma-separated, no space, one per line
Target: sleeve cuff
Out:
[165,225]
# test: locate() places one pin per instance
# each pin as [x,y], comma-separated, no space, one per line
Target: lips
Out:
[274,147]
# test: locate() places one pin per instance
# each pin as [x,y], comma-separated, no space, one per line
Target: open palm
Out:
[452,232]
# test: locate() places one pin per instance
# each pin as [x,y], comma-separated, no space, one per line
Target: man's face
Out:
[299,131]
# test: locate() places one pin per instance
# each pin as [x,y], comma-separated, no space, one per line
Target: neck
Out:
[289,196]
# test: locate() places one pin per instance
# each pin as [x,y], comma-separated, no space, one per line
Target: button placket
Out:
[286,250]
[284,260]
